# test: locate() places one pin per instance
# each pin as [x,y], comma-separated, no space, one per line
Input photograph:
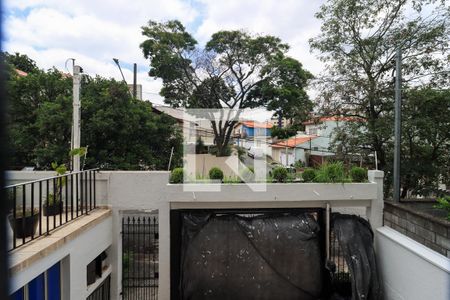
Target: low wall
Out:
[148,191]
[411,271]
[425,229]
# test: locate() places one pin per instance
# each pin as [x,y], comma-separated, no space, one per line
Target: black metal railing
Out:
[140,243]
[40,206]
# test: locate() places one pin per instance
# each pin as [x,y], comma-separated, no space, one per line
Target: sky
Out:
[94,32]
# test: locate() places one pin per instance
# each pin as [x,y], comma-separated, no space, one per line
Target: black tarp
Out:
[268,256]
[355,237]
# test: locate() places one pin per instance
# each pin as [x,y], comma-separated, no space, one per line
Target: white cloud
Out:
[93,32]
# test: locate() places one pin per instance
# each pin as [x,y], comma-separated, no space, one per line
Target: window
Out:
[46,286]
[54,283]
[17,295]
[36,288]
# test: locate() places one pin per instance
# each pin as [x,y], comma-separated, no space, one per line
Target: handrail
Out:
[49,178]
[40,206]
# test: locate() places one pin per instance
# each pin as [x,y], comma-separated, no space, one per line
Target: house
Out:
[192,129]
[275,121]
[252,129]
[300,147]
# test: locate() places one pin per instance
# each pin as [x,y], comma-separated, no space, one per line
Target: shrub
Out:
[299,164]
[177,175]
[444,203]
[358,174]
[215,173]
[280,174]
[308,175]
[331,172]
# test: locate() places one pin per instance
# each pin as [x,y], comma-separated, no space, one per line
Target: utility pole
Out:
[134,80]
[398,124]
[76,132]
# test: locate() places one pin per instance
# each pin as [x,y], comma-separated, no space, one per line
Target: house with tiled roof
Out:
[251,129]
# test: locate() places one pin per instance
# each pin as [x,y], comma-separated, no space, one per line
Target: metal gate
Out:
[140,257]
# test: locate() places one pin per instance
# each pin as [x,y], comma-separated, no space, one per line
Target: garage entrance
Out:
[247,254]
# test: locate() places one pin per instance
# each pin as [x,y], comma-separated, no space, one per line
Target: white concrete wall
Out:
[149,191]
[411,271]
[76,255]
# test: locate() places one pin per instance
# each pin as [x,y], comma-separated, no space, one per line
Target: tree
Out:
[20,61]
[234,70]
[120,132]
[426,141]
[358,43]
[282,90]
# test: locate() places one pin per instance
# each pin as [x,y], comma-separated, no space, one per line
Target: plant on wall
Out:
[444,203]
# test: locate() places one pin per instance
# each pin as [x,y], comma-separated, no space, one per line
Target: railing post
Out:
[375,211]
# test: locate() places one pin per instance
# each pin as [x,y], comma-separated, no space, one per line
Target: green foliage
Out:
[265,76]
[127,260]
[231,179]
[308,175]
[241,152]
[283,132]
[60,169]
[177,175]
[444,203]
[78,151]
[331,172]
[122,133]
[358,42]
[226,151]
[358,174]
[200,147]
[20,62]
[299,164]
[280,174]
[215,173]
[283,90]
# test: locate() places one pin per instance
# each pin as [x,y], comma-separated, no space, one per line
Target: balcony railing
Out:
[40,206]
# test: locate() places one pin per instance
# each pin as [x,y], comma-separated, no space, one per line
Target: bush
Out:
[358,174]
[280,174]
[299,164]
[308,175]
[331,172]
[177,175]
[215,173]
[444,203]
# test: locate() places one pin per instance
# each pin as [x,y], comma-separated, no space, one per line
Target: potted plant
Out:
[24,225]
[53,204]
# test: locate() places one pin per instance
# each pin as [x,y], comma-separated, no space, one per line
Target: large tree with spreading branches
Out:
[234,70]
[358,43]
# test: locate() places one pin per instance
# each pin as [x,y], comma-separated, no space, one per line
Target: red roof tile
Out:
[293,142]
[253,124]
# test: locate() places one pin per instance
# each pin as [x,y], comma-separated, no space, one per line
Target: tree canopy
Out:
[358,43]
[234,70]
[119,131]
